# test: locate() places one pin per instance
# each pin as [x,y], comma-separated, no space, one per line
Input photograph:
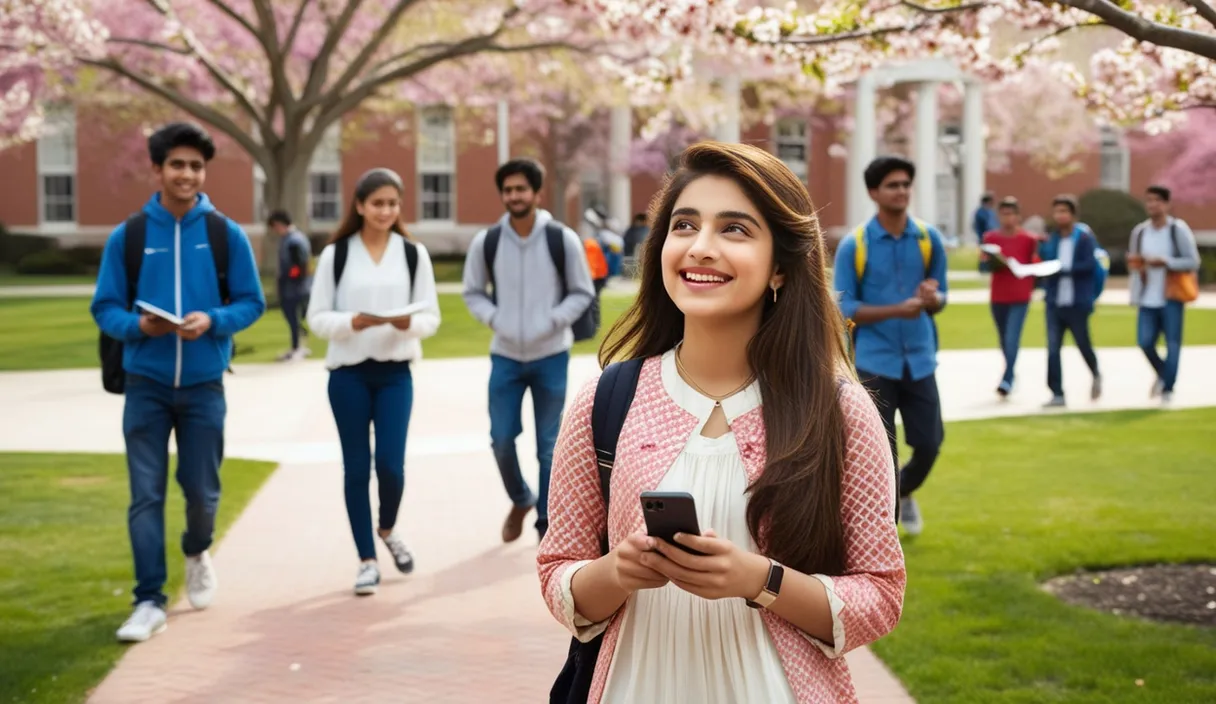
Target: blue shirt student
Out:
[894,269]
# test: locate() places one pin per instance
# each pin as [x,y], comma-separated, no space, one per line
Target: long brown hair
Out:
[368,184]
[798,355]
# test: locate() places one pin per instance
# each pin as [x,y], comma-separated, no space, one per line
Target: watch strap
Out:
[772,587]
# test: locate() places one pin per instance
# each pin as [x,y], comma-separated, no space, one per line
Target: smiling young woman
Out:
[746,402]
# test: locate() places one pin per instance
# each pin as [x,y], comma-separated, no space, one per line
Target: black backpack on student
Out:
[342,249]
[588,323]
[613,396]
[113,376]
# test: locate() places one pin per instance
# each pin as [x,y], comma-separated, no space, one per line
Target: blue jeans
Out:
[195,415]
[508,380]
[379,393]
[1152,324]
[1009,317]
[1076,321]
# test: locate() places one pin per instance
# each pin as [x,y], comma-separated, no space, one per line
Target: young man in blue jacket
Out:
[1069,294]
[174,372]
[891,294]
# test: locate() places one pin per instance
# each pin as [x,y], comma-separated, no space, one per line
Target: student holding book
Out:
[374,299]
[1010,295]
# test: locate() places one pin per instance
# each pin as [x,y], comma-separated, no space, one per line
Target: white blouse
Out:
[368,286]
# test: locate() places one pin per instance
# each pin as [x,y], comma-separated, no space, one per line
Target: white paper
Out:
[397,313]
[1019,269]
[159,312]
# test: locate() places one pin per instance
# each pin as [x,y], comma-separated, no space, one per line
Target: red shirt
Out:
[1023,246]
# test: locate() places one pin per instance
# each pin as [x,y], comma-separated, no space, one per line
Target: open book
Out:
[396,313]
[159,312]
[1019,269]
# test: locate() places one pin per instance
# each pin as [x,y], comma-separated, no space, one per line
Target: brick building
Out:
[67,185]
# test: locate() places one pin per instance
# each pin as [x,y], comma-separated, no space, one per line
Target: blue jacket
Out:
[178,274]
[1082,270]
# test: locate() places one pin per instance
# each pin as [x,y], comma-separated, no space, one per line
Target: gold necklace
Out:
[688,377]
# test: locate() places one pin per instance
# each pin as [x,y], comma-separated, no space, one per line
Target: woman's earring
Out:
[774,287]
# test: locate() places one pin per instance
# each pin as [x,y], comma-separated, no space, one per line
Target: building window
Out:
[437,164]
[57,169]
[1115,169]
[791,141]
[325,178]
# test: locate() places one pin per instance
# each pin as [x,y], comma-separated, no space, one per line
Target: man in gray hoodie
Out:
[512,285]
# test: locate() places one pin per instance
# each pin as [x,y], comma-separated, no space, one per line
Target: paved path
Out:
[469,625]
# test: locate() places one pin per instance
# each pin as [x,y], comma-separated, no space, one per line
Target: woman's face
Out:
[382,209]
[718,256]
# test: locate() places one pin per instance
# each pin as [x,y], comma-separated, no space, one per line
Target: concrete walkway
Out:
[469,625]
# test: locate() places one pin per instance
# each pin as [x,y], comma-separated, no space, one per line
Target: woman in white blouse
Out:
[374,299]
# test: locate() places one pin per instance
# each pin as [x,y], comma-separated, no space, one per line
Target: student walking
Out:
[890,274]
[745,401]
[531,309]
[180,255]
[1069,294]
[1164,259]
[295,280]
[367,276]
[1010,296]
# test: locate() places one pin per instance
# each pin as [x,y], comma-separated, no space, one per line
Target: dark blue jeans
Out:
[195,415]
[1076,321]
[379,393]
[1009,317]
[1152,324]
[508,380]
[294,304]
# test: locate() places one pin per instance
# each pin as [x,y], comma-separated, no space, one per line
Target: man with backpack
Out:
[890,274]
[1070,293]
[1163,258]
[176,282]
[295,279]
[527,279]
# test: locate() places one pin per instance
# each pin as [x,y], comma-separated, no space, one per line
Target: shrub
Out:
[1207,265]
[1112,215]
[15,247]
[88,257]
[50,262]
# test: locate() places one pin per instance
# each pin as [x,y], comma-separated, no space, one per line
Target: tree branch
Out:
[1144,30]
[1204,10]
[1030,45]
[295,27]
[149,45]
[319,71]
[236,17]
[370,48]
[948,10]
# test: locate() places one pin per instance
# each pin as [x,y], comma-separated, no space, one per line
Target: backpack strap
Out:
[859,253]
[217,238]
[613,396]
[135,235]
[489,250]
[1174,237]
[925,241]
[411,263]
[555,237]
[341,250]
[1138,238]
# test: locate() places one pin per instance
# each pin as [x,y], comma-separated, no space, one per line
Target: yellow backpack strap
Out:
[926,244]
[859,252]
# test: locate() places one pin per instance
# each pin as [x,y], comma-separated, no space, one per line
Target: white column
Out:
[620,135]
[924,193]
[862,148]
[504,132]
[975,152]
[728,129]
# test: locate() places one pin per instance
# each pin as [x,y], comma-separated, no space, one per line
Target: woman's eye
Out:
[736,229]
[681,225]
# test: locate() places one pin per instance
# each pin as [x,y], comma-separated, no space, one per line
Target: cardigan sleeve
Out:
[868,598]
[577,516]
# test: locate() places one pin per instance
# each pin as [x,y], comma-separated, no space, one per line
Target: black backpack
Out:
[613,396]
[588,323]
[342,249]
[113,376]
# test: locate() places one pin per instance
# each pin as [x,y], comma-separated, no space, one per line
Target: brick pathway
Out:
[469,625]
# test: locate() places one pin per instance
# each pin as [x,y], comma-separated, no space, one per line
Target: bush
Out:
[88,257]
[14,247]
[1112,215]
[1207,265]
[50,262]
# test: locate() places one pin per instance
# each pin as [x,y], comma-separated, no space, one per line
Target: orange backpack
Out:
[596,259]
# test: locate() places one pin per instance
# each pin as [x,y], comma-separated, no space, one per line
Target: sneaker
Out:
[401,553]
[1167,397]
[147,620]
[368,580]
[1003,390]
[513,526]
[909,516]
[1095,391]
[1157,390]
[301,353]
[200,580]
[1055,402]
[287,356]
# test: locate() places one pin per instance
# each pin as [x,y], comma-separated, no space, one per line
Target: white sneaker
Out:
[368,580]
[301,353]
[909,516]
[200,580]
[147,620]
[401,553]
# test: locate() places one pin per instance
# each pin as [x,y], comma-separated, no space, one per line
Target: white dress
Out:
[677,647]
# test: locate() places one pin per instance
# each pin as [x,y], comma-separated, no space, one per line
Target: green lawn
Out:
[66,571]
[1110,489]
[965,258]
[10,279]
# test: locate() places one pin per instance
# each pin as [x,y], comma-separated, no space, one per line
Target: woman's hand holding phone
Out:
[630,571]
[725,571]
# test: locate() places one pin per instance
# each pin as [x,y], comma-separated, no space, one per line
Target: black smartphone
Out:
[668,513]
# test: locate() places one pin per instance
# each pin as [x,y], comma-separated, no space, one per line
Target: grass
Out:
[65,566]
[966,258]
[1013,502]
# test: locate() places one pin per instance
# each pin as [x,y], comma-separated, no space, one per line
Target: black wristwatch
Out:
[772,587]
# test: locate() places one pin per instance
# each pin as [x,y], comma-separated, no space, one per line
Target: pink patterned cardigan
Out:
[656,430]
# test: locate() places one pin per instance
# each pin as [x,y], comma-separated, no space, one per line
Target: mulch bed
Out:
[1174,593]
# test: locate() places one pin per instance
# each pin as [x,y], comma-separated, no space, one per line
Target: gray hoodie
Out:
[531,320]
